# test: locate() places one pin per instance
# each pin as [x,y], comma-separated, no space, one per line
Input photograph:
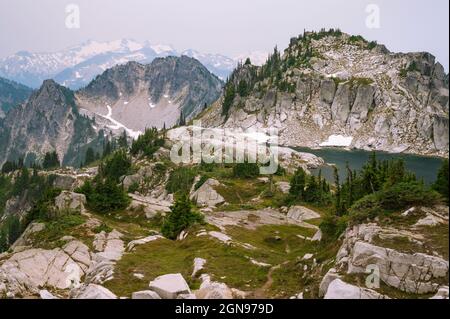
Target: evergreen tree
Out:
[298,183]
[14,229]
[107,149]
[350,186]
[228,99]
[117,166]
[122,142]
[148,143]
[22,182]
[312,192]
[338,195]
[180,217]
[90,156]
[51,160]
[246,170]
[3,241]
[182,120]
[243,88]
[442,181]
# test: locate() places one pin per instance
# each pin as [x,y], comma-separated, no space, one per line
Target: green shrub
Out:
[371,45]
[104,196]
[134,187]
[103,227]
[354,39]
[230,94]
[180,180]
[332,227]
[298,184]
[394,198]
[148,143]
[442,181]
[116,166]
[200,183]
[246,170]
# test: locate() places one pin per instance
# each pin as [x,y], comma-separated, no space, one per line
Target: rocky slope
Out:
[129,98]
[407,255]
[48,121]
[142,96]
[329,88]
[262,252]
[11,94]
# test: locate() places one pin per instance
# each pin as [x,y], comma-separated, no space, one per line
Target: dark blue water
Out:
[423,166]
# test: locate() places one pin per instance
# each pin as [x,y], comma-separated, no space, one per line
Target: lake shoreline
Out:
[425,167]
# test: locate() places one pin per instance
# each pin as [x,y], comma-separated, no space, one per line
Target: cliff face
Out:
[330,83]
[48,121]
[156,94]
[129,98]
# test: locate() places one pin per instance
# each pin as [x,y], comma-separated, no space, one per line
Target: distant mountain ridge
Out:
[129,97]
[76,66]
[11,94]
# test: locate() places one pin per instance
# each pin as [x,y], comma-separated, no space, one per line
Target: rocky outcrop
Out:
[170,286]
[134,243]
[410,273]
[300,213]
[341,290]
[109,248]
[199,264]
[27,272]
[213,290]
[92,291]
[340,109]
[330,276]
[384,101]
[149,205]
[70,201]
[25,238]
[146,294]
[416,273]
[206,195]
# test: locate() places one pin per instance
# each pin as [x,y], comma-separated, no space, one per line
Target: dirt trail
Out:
[261,293]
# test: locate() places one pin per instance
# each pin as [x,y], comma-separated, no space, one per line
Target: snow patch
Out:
[338,141]
[117,125]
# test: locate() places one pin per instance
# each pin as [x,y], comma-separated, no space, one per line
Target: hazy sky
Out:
[230,26]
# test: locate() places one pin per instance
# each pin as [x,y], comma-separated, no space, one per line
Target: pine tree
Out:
[107,149]
[14,229]
[51,160]
[298,183]
[90,156]
[123,140]
[338,194]
[3,241]
[228,99]
[180,217]
[182,120]
[442,181]
[350,186]
[243,88]
[312,191]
